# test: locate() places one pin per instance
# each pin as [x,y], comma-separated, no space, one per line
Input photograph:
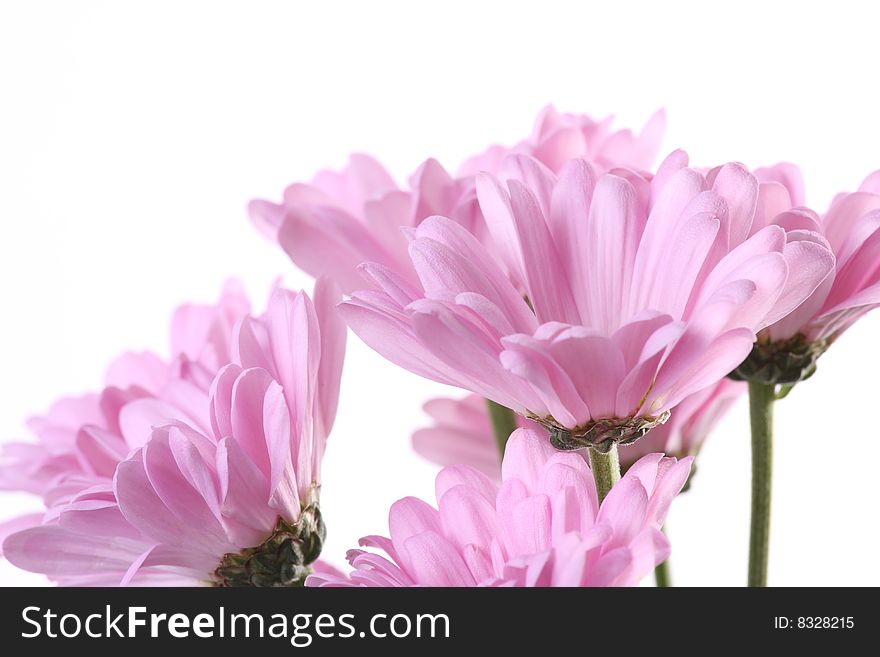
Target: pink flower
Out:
[622,295]
[339,220]
[788,349]
[541,527]
[462,431]
[229,500]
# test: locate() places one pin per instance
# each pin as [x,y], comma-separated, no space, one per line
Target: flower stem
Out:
[662,575]
[761,398]
[503,423]
[606,470]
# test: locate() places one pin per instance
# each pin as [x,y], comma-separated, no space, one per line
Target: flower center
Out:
[603,433]
[785,362]
[282,559]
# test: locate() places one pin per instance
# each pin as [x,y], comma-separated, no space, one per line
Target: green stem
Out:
[662,575]
[503,423]
[606,470]
[761,398]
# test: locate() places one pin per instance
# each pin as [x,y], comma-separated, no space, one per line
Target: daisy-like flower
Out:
[543,526]
[341,219]
[623,294]
[231,500]
[787,351]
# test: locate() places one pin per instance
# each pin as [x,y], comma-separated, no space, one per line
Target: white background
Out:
[132,135]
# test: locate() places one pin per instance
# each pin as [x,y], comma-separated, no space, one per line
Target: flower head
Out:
[620,295]
[788,349]
[542,526]
[341,219]
[218,487]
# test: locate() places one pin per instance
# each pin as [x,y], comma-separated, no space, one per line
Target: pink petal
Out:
[145,370]
[333,335]
[246,415]
[609,568]
[449,260]
[56,551]
[435,562]
[409,517]
[138,419]
[595,366]
[525,456]
[392,337]
[463,475]
[549,292]
[612,241]
[17,524]
[326,241]
[266,216]
[244,491]
[739,189]
[871,184]
[789,176]
[624,509]
[671,478]
[531,174]
[467,517]
[809,265]
[530,360]
[569,211]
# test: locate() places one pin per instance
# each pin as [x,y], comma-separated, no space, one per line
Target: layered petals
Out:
[197,481]
[851,229]
[613,298]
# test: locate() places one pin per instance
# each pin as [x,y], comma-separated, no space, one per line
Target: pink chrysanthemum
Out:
[542,526]
[622,294]
[339,220]
[787,350]
[221,487]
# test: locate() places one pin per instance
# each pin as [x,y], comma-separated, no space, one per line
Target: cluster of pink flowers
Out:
[601,301]
[181,472]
